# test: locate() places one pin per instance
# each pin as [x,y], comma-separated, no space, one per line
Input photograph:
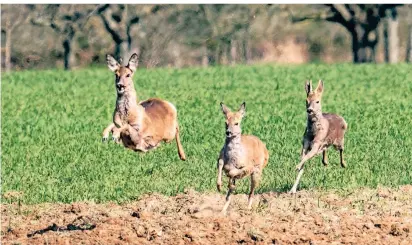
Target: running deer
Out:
[242,155]
[322,131]
[140,126]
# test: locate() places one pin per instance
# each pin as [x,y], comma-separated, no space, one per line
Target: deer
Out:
[241,155]
[322,131]
[140,126]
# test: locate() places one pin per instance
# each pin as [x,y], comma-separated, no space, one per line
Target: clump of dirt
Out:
[365,216]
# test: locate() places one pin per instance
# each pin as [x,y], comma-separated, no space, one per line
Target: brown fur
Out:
[241,156]
[140,126]
[322,131]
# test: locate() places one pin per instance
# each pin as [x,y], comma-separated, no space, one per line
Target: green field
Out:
[52,123]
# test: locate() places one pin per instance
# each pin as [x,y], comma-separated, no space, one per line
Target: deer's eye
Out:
[317,102]
[236,124]
[128,75]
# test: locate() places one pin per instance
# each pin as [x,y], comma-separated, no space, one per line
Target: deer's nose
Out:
[227,132]
[309,110]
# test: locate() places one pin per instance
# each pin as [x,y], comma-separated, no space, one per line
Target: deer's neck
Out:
[314,123]
[233,145]
[126,102]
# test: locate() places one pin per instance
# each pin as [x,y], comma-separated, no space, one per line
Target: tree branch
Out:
[45,24]
[321,16]
[105,13]
[89,15]
[343,11]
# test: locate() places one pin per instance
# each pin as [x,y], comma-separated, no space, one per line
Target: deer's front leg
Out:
[220,164]
[116,134]
[117,120]
[107,131]
[305,148]
[309,155]
[232,187]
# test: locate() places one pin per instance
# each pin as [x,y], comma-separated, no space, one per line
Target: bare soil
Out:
[365,216]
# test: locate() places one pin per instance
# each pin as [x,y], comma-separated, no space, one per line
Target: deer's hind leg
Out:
[340,147]
[325,158]
[254,183]
[342,162]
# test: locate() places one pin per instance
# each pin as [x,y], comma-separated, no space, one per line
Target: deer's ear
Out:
[308,86]
[112,63]
[242,109]
[133,62]
[319,89]
[225,109]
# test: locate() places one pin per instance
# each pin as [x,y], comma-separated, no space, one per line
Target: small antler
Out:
[308,86]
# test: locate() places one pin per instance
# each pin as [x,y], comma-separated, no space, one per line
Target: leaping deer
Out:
[322,131]
[140,126]
[242,155]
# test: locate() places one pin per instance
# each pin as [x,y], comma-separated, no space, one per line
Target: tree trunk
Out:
[245,50]
[233,52]
[205,58]
[122,50]
[409,37]
[67,46]
[364,45]
[7,51]
[218,53]
[391,39]
[409,45]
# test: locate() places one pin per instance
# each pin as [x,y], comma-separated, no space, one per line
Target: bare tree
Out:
[390,36]
[222,31]
[361,21]
[11,17]
[119,20]
[66,20]
[409,36]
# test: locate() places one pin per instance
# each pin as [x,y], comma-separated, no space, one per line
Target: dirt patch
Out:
[381,216]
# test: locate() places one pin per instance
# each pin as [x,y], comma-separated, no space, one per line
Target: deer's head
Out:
[313,98]
[123,74]
[233,120]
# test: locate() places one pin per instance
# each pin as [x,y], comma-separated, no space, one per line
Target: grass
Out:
[52,123]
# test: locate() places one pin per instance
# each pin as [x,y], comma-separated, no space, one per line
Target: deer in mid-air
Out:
[241,155]
[140,126]
[322,131]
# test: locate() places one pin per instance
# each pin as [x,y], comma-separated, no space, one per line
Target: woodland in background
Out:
[71,36]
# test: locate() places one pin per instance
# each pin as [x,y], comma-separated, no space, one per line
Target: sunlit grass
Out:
[52,123]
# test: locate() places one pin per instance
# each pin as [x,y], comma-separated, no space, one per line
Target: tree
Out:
[66,20]
[409,36]
[11,17]
[390,35]
[361,21]
[119,19]
[221,31]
